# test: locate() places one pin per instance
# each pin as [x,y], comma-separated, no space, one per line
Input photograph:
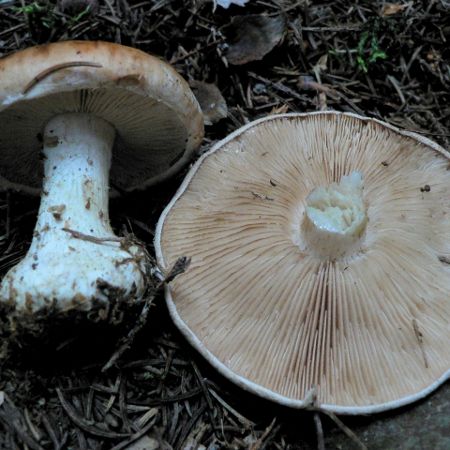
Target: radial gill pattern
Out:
[150,136]
[368,331]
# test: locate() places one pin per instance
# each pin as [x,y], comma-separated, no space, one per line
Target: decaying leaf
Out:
[252,37]
[214,106]
[226,3]
[321,64]
[389,9]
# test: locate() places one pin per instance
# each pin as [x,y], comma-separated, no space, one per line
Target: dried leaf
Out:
[252,37]
[389,9]
[226,3]
[214,106]
[321,64]
[283,109]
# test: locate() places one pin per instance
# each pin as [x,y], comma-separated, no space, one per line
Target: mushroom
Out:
[87,106]
[320,248]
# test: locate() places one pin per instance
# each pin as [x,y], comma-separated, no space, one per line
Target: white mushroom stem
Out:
[335,217]
[74,254]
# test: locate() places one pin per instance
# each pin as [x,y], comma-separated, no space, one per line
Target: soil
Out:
[386,60]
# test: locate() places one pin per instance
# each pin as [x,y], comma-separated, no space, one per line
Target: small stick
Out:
[87,237]
[51,432]
[319,432]
[312,397]
[313,405]
[259,443]
[83,424]
[206,394]
[248,424]
[179,267]
[345,429]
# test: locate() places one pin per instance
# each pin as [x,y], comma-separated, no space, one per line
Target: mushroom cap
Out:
[156,116]
[366,331]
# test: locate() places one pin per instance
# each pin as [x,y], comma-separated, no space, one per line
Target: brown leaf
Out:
[252,37]
[389,9]
[214,106]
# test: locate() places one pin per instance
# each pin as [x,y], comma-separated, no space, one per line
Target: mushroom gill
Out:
[363,325]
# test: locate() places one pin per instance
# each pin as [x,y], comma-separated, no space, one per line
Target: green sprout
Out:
[368,50]
[38,12]
[80,15]
[32,8]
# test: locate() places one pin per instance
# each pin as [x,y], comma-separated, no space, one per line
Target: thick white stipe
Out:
[74,250]
[335,217]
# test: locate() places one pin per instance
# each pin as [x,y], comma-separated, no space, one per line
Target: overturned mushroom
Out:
[90,106]
[319,261]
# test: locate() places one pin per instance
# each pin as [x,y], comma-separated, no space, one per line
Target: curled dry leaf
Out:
[252,37]
[212,103]
[389,9]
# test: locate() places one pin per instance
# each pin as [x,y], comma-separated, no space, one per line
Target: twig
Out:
[165,400]
[13,419]
[51,432]
[280,87]
[341,425]
[88,237]
[205,393]
[187,428]
[313,405]
[319,432]
[153,412]
[243,420]
[125,343]
[85,425]
[259,443]
[36,434]
[331,29]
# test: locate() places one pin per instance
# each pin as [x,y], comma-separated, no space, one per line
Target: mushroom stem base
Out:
[75,259]
[335,218]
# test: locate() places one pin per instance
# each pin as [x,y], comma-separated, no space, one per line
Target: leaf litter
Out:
[252,36]
[159,389]
[212,103]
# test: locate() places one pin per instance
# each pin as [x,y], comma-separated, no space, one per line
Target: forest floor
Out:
[385,60]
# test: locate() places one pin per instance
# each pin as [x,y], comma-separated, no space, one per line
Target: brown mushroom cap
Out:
[367,330]
[157,118]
